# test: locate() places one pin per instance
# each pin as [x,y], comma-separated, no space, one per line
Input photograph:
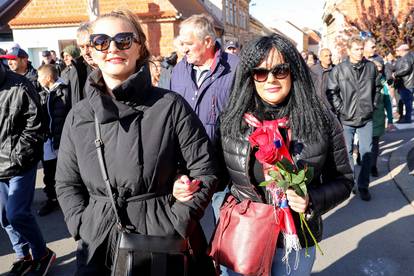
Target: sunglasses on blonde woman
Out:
[279,72]
[123,41]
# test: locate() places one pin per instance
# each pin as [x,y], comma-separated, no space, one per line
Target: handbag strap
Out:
[99,149]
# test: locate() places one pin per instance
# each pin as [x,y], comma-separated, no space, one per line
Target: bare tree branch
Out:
[379,20]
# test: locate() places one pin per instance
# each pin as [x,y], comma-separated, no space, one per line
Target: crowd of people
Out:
[176,138]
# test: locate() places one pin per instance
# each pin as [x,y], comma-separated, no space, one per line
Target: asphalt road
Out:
[360,238]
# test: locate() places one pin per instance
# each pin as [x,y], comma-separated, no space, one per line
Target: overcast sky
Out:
[303,13]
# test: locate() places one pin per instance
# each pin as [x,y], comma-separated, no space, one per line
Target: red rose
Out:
[260,137]
[267,154]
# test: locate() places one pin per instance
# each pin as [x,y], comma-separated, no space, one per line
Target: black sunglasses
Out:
[280,71]
[123,41]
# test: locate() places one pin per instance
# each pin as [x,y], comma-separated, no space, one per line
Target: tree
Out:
[378,19]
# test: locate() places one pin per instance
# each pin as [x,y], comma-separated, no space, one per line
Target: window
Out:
[230,12]
[241,20]
[227,10]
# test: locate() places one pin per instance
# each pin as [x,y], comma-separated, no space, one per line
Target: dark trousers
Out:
[400,109]
[407,98]
[375,150]
[49,171]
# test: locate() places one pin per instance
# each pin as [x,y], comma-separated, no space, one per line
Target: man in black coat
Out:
[84,44]
[404,74]
[76,73]
[370,50]
[353,87]
[320,72]
[18,61]
[21,137]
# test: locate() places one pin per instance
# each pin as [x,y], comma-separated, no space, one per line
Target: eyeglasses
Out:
[123,41]
[279,72]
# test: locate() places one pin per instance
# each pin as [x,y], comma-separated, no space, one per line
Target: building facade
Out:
[52,25]
[45,24]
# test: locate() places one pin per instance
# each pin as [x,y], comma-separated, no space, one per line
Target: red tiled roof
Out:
[44,13]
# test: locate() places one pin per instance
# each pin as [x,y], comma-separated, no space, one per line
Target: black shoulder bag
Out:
[138,254]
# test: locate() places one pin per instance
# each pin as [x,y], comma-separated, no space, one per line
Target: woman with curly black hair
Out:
[272,82]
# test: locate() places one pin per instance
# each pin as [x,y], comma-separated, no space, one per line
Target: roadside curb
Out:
[398,169]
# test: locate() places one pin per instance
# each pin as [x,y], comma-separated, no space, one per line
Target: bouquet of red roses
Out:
[281,173]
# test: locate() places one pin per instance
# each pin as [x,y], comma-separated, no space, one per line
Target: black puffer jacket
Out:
[404,71]
[21,133]
[146,132]
[353,91]
[333,178]
[75,76]
[31,75]
[56,104]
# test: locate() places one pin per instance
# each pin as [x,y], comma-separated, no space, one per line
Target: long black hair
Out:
[307,114]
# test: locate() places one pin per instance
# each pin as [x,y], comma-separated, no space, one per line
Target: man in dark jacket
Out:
[404,74]
[320,72]
[353,87]
[18,61]
[77,72]
[47,58]
[204,77]
[55,100]
[370,50]
[21,139]
[84,44]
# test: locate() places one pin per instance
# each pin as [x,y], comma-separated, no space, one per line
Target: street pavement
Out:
[55,233]
[360,238]
[377,237]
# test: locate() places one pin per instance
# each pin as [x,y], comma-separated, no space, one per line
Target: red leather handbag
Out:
[245,237]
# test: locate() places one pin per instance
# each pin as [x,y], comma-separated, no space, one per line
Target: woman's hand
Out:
[297,203]
[184,189]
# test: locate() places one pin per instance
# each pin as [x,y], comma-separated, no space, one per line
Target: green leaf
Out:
[283,184]
[284,173]
[299,177]
[273,174]
[280,166]
[303,188]
[265,183]
[297,189]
